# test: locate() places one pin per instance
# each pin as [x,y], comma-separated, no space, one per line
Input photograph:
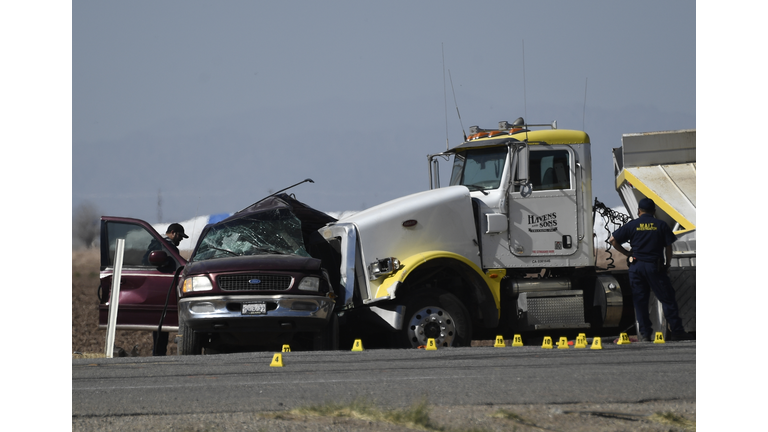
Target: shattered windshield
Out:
[272,232]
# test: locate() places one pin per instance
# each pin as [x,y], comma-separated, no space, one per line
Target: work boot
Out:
[681,336]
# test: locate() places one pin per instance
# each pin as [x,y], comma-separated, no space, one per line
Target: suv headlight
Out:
[310,283]
[197,283]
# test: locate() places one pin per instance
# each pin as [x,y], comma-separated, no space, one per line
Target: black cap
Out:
[177,228]
[647,204]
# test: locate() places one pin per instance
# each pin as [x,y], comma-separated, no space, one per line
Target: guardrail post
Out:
[114,297]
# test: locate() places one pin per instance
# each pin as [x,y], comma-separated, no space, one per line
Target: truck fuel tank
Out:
[519,285]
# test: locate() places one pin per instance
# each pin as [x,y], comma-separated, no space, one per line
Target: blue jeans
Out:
[644,277]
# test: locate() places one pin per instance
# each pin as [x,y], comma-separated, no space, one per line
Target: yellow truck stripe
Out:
[492,277]
[626,176]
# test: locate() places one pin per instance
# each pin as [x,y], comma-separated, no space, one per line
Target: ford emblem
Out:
[254,281]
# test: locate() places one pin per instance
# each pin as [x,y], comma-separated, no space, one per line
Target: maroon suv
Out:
[263,277]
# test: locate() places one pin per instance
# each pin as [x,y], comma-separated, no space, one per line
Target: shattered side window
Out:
[272,232]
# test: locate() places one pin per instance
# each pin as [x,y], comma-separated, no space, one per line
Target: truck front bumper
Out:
[282,313]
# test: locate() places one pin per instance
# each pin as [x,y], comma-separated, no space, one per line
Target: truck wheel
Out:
[438,315]
[328,339]
[190,343]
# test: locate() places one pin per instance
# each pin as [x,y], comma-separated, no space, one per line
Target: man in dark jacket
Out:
[173,236]
[651,240]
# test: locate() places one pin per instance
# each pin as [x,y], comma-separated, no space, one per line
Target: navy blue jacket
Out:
[648,237]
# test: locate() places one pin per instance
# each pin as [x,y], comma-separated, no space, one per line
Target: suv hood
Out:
[254,263]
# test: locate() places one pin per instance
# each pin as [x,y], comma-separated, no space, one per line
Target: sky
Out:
[194,108]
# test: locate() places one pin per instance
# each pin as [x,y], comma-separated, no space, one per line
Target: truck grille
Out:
[248,282]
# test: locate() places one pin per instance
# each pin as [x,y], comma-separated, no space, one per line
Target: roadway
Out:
[246,382]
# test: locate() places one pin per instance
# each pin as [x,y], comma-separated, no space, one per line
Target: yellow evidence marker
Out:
[623,339]
[277,360]
[581,341]
[286,348]
[659,338]
[517,341]
[358,345]
[597,343]
[431,345]
[563,344]
[500,342]
[547,343]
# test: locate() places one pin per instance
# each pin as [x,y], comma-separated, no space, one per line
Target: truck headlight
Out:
[383,267]
[197,283]
[310,283]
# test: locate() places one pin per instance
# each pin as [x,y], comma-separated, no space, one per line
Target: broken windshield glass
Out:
[271,232]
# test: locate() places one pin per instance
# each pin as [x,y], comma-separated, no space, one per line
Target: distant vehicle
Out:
[259,278]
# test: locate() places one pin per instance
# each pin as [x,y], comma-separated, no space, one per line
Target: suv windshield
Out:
[479,169]
[271,232]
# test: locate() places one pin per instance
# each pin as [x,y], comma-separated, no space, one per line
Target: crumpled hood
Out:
[254,263]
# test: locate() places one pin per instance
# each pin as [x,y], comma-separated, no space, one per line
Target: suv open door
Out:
[144,286]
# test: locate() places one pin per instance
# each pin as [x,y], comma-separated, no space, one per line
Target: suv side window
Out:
[137,243]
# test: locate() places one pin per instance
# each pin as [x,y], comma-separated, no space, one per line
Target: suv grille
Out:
[244,282]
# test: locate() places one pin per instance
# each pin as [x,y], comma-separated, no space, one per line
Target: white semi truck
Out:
[507,246]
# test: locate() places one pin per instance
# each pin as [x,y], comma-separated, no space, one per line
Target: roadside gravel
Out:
[650,416]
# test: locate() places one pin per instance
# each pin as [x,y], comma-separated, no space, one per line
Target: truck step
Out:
[553,309]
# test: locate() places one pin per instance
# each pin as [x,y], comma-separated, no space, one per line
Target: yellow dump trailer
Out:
[662,166]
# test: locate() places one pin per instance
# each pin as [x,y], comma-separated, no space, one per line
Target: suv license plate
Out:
[254,308]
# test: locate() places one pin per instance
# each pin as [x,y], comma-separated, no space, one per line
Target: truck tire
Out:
[328,339]
[438,315]
[190,343]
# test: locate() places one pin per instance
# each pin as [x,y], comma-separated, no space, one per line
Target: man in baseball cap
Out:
[651,240]
[645,204]
[175,234]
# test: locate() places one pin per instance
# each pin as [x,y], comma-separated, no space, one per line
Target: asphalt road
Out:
[394,378]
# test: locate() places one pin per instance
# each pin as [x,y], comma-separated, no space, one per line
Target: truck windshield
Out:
[479,169]
[272,232]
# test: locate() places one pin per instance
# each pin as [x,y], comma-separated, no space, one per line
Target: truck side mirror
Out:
[521,177]
[522,164]
[158,258]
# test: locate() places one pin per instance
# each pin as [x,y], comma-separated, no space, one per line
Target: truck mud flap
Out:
[553,309]
[684,281]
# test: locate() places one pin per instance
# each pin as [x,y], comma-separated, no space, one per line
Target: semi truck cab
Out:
[532,194]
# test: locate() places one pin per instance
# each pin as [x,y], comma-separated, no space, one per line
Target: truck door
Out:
[144,287]
[544,223]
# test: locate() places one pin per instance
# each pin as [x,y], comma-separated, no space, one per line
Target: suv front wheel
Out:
[190,343]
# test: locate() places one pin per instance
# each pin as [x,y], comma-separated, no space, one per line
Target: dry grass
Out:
[415,416]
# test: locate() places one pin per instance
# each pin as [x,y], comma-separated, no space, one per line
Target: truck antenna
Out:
[457,106]
[525,102]
[584,111]
[445,99]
